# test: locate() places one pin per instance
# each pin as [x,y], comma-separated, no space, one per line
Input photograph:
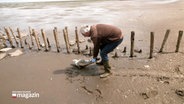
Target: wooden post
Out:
[9,37]
[124,50]
[44,39]
[90,51]
[49,46]
[26,43]
[36,39]
[165,39]
[29,46]
[132,44]
[179,40]
[77,39]
[20,37]
[31,36]
[56,29]
[151,44]
[115,55]
[4,41]
[67,37]
[39,41]
[66,42]
[14,37]
[56,39]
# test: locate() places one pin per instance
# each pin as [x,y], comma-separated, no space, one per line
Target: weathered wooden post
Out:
[165,39]
[29,46]
[115,55]
[14,37]
[20,37]
[66,42]
[56,30]
[151,44]
[26,43]
[67,37]
[44,39]
[31,36]
[36,39]
[39,41]
[124,50]
[4,41]
[90,51]
[9,37]
[56,39]
[179,40]
[77,39]
[49,46]
[132,44]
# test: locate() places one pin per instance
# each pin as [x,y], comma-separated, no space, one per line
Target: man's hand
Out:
[93,60]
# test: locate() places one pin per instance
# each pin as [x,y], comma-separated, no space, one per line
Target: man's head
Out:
[85,30]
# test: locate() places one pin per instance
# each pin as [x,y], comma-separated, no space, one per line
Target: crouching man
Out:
[105,39]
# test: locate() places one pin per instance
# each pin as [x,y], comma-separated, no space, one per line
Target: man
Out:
[105,38]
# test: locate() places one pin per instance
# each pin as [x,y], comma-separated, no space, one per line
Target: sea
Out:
[61,13]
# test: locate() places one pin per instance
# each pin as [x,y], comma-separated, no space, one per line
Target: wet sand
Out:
[137,80]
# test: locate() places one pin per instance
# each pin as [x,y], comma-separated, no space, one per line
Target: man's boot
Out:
[107,69]
[100,63]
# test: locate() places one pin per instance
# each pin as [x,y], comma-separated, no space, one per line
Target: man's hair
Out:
[84,29]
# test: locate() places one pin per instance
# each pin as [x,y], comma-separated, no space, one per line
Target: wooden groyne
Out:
[33,37]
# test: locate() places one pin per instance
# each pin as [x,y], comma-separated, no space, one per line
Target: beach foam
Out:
[163,1]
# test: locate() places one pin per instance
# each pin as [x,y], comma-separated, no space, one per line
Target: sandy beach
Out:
[137,80]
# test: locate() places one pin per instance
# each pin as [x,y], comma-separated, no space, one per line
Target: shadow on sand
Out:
[92,70]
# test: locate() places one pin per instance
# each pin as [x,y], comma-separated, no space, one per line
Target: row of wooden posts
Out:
[66,38]
[45,39]
[152,42]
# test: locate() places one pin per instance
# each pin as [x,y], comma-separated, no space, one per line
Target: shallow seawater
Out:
[69,13]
